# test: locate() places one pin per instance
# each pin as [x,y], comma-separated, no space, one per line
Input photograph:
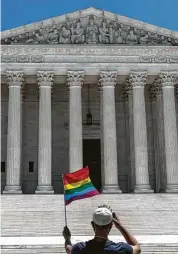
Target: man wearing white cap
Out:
[103,220]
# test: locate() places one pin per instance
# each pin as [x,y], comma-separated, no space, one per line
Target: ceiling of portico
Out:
[90,26]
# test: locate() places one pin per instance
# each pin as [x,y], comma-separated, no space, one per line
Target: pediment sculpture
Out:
[90,30]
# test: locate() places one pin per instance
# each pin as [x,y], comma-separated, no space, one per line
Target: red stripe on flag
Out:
[87,195]
[76,176]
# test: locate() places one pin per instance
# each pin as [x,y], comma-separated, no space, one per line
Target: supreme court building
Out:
[89,88]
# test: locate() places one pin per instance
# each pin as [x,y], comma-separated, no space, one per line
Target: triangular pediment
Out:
[90,26]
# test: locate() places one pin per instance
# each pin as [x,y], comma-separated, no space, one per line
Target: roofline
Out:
[85,12]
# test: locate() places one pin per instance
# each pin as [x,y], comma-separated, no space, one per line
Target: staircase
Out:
[153,218]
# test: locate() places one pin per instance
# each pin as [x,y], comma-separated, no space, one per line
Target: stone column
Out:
[138,81]
[129,91]
[168,79]
[75,81]
[45,81]
[101,133]
[13,181]
[177,105]
[108,81]
[159,137]
[152,95]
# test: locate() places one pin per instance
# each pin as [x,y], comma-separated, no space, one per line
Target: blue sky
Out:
[162,13]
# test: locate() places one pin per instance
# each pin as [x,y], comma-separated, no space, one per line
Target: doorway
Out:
[92,159]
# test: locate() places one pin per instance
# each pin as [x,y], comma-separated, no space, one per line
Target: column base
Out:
[44,189]
[111,189]
[15,189]
[173,188]
[145,188]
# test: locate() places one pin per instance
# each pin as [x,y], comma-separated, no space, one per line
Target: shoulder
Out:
[120,247]
[78,248]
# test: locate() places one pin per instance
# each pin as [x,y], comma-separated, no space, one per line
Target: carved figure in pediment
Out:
[64,36]
[118,36]
[77,34]
[131,38]
[153,38]
[144,39]
[14,40]
[38,37]
[127,28]
[114,34]
[91,32]
[164,40]
[137,31]
[42,35]
[84,21]
[31,38]
[53,37]
[111,34]
[103,33]
[175,42]
[6,41]
[124,31]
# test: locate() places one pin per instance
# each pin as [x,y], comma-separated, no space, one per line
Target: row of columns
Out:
[137,82]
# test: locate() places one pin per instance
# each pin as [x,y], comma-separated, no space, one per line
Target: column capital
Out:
[75,78]
[138,78]
[168,78]
[108,78]
[45,78]
[15,78]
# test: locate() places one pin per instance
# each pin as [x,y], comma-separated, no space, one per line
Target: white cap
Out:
[102,216]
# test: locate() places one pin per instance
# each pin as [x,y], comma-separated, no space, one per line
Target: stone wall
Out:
[4,122]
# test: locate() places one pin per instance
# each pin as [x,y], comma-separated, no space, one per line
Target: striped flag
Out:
[78,185]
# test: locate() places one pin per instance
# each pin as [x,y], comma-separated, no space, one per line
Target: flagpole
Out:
[65,212]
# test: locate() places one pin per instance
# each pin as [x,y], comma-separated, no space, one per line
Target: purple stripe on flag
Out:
[87,195]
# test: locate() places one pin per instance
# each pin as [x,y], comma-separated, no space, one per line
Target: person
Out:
[103,220]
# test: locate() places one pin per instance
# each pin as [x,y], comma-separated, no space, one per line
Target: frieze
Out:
[89,54]
[89,50]
[92,59]
[22,59]
[90,30]
[87,59]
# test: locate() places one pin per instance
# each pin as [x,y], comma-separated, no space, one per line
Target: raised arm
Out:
[130,239]
[67,236]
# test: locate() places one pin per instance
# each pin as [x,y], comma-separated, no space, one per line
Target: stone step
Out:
[146,249]
[26,245]
[44,214]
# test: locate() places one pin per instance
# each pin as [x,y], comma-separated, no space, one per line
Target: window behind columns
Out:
[3,166]
[31,166]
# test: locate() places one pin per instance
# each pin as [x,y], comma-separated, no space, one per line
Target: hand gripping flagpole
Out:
[65,212]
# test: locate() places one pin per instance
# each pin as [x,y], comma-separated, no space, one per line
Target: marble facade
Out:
[132,71]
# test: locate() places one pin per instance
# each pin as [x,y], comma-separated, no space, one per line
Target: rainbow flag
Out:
[77,185]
